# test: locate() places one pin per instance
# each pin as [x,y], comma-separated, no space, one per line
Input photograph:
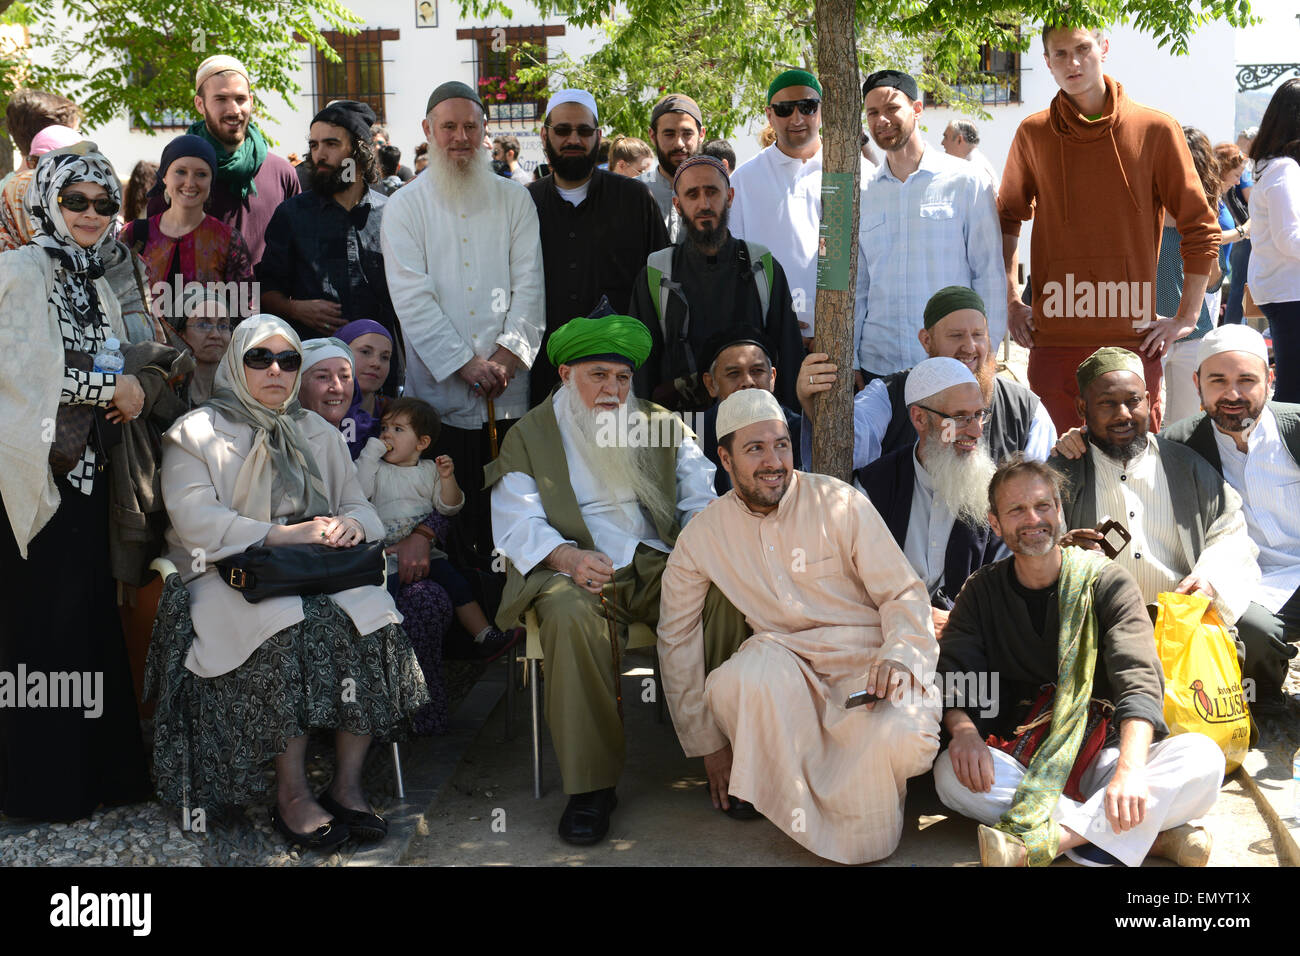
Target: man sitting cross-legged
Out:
[835,608]
[591,490]
[1070,617]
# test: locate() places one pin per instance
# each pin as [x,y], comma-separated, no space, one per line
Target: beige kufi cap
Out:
[748,407]
[218,64]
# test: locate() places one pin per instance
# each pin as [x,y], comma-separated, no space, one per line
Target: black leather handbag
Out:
[302,569]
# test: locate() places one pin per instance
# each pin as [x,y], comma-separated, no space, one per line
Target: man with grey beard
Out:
[588,496]
[933,495]
[464,265]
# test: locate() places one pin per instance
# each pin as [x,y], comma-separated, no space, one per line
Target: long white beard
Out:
[624,469]
[465,184]
[961,482]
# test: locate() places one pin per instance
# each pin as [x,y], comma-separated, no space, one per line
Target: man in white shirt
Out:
[588,496]
[961,138]
[676,133]
[463,258]
[927,221]
[778,199]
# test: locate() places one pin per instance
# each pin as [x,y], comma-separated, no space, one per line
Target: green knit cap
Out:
[1108,359]
[948,300]
[793,78]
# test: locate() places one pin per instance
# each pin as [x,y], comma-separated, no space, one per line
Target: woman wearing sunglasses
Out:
[242,684]
[60,610]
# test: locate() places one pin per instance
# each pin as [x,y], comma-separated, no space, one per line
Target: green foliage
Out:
[138,57]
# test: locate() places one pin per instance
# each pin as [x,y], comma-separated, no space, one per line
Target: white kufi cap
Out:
[1232,338]
[748,407]
[934,375]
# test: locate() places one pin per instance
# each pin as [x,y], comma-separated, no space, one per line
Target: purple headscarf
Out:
[364,425]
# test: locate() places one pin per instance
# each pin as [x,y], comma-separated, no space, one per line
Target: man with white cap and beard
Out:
[597,227]
[464,264]
[836,609]
[589,494]
[934,494]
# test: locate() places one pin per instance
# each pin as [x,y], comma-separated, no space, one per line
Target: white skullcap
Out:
[748,407]
[218,64]
[315,351]
[1232,338]
[581,97]
[934,375]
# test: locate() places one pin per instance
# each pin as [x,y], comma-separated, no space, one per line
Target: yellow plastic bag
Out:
[1202,676]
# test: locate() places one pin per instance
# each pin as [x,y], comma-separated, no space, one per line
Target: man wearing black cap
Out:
[711,281]
[676,133]
[928,220]
[323,266]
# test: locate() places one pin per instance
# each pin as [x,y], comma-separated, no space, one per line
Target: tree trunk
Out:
[837,70]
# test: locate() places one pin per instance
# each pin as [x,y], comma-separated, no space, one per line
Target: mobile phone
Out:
[862,697]
[1114,536]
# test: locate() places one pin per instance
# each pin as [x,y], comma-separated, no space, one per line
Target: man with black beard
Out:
[688,293]
[677,134]
[933,495]
[597,228]
[323,266]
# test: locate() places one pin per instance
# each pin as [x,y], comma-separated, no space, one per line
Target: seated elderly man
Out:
[934,495]
[1063,616]
[955,326]
[1188,533]
[737,357]
[835,608]
[588,495]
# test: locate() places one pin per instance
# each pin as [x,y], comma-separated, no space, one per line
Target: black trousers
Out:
[471,449]
[1267,638]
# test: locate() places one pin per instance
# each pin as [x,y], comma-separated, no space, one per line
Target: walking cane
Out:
[607,604]
[492,427]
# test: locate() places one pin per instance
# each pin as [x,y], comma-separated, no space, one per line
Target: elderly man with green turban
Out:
[588,496]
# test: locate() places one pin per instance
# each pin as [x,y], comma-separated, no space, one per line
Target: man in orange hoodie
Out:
[1096,172]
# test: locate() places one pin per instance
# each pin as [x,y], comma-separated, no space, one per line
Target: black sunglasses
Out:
[806,107]
[564,130]
[76,202]
[260,358]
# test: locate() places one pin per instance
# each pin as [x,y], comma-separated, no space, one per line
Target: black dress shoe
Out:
[586,819]
[325,837]
[364,826]
[738,810]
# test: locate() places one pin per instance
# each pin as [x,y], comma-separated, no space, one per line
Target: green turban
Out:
[948,300]
[617,337]
[1108,359]
[793,78]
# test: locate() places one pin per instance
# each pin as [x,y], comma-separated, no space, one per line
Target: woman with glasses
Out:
[62,754]
[242,684]
[205,328]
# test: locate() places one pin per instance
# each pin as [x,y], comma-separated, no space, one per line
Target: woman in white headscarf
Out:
[59,761]
[241,683]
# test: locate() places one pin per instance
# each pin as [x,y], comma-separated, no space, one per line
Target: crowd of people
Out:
[586,396]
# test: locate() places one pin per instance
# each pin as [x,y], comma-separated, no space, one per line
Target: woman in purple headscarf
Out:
[372,352]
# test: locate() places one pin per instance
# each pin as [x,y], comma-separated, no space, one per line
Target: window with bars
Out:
[499,53]
[994,81]
[360,73]
[142,75]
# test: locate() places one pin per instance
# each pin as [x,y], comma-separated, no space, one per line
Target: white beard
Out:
[961,482]
[464,185]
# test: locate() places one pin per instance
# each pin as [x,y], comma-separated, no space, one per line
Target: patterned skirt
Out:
[216,739]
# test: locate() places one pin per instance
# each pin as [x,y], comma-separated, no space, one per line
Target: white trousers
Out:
[1183,777]
[1181,398]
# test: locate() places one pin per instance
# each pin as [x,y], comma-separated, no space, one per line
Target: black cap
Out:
[717,343]
[353,116]
[892,78]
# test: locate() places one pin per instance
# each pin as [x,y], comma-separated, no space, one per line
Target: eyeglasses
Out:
[961,421]
[806,107]
[203,325]
[76,202]
[259,358]
[564,130]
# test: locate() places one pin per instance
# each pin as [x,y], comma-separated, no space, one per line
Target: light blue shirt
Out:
[939,228]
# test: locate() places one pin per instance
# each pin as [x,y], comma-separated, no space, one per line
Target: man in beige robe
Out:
[835,608]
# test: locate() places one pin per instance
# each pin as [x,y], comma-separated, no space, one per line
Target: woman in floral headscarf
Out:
[56,311]
[241,684]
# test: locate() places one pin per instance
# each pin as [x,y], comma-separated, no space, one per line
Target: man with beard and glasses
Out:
[676,133]
[589,494]
[927,220]
[933,495]
[464,265]
[689,292]
[954,326]
[1187,527]
[836,609]
[597,228]
[323,266]
[251,181]
[1052,615]
[779,191]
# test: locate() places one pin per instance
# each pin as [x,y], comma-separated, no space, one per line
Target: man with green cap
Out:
[778,199]
[588,496]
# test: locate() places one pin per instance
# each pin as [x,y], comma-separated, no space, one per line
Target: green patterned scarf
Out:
[1030,816]
[237,169]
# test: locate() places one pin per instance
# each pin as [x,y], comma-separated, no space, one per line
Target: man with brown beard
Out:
[676,133]
[597,228]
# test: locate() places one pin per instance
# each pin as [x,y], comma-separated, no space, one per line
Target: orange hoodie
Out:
[1097,192]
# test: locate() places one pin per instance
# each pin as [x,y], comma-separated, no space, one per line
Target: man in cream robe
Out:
[835,608]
